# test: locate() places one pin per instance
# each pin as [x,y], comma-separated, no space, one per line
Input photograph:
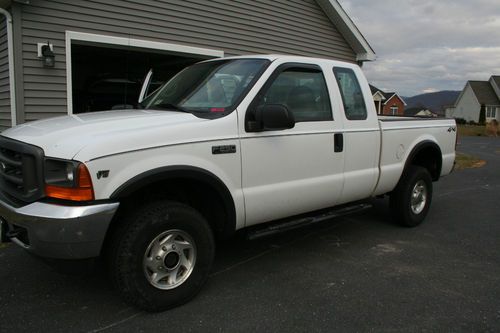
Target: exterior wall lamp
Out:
[46,54]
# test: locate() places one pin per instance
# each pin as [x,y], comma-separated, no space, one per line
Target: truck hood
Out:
[108,132]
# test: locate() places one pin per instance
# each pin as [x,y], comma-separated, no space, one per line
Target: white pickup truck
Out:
[224,145]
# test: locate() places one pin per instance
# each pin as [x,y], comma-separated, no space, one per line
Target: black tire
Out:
[401,197]
[126,255]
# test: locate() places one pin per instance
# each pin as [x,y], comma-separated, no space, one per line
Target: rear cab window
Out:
[352,95]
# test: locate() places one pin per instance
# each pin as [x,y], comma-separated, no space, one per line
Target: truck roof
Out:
[291,58]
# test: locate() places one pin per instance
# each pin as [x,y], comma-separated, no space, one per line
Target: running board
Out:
[303,221]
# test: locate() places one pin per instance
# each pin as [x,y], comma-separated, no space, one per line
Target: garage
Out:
[109,78]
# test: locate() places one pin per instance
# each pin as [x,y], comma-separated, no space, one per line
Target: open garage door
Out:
[105,78]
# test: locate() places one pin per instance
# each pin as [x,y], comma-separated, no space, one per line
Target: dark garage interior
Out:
[107,78]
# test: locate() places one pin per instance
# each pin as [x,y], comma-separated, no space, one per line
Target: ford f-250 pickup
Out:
[224,145]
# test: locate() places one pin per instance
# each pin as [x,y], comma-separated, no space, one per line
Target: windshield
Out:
[208,87]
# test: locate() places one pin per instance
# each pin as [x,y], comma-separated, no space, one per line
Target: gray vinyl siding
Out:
[5,117]
[237,27]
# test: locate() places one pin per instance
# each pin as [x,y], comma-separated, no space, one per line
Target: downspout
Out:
[12,80]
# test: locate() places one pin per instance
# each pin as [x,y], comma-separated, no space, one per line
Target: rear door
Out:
[296,170]
[361,134]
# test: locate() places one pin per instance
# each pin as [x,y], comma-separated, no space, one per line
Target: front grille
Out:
[21,170]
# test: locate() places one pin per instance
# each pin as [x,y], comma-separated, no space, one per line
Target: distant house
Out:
[420,112]
[388,103]
[478,96]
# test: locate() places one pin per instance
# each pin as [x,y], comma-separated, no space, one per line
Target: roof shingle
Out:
[484,92]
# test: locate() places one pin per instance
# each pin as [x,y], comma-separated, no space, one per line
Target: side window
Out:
[352,96]
[303,91]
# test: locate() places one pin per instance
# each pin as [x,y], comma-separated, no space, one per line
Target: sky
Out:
[428,45]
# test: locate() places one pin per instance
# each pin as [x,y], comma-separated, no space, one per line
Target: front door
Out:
[293,171]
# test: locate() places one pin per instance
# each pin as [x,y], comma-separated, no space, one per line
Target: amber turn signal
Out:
[82,192]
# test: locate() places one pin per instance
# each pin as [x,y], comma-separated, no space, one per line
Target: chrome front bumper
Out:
[56,231]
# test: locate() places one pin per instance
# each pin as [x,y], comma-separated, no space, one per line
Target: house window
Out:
[394,110]
[491,111]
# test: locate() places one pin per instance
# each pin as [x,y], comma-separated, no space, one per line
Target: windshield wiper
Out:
[169,106]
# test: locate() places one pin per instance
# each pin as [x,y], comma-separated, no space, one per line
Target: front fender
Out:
[127,170]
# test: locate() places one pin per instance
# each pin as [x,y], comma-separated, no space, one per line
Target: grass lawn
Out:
[471,130]
[465,161]
[476,130]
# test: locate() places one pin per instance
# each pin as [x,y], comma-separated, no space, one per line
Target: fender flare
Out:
[186,172]
[421,146]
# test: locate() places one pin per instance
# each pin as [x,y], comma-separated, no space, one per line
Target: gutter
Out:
[12,81]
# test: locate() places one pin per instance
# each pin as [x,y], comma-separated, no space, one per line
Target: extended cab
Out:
[224,145]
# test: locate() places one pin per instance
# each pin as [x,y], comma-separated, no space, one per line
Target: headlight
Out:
[69,180]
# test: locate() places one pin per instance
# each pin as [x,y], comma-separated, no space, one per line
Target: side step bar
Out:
[299,222]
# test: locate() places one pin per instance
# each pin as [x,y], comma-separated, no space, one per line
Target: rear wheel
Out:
[411,199]
[162,255]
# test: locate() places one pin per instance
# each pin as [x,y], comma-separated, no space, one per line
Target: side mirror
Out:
[271,117]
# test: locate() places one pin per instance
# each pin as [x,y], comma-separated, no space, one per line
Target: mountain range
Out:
[435,101]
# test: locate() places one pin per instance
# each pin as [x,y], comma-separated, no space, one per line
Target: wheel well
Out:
[200,190]
[427,155]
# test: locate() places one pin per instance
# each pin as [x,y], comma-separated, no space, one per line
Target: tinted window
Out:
[208,87]
[303,91]
[352,96]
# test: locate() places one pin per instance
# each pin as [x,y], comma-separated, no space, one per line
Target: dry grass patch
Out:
[478,130]
[471,130]
[465,161]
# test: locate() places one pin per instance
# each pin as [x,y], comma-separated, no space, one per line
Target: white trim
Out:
[10,55]
[129,42]
[69,76]
[382,97]
[349,30]
[493,111]
[395,94]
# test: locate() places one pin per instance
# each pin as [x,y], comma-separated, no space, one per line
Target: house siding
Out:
[5,116]
[298,27]
[467,106]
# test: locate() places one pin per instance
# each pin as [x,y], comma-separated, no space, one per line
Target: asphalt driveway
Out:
[358,273]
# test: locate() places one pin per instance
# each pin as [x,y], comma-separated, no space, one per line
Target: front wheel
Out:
[411,199]
[161,256]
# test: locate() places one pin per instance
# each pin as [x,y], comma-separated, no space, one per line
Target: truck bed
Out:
[400,135]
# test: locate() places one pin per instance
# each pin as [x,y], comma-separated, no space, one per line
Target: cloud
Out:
[423,44]
[429,90]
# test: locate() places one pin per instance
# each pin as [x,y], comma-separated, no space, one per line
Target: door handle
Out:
[338,142]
